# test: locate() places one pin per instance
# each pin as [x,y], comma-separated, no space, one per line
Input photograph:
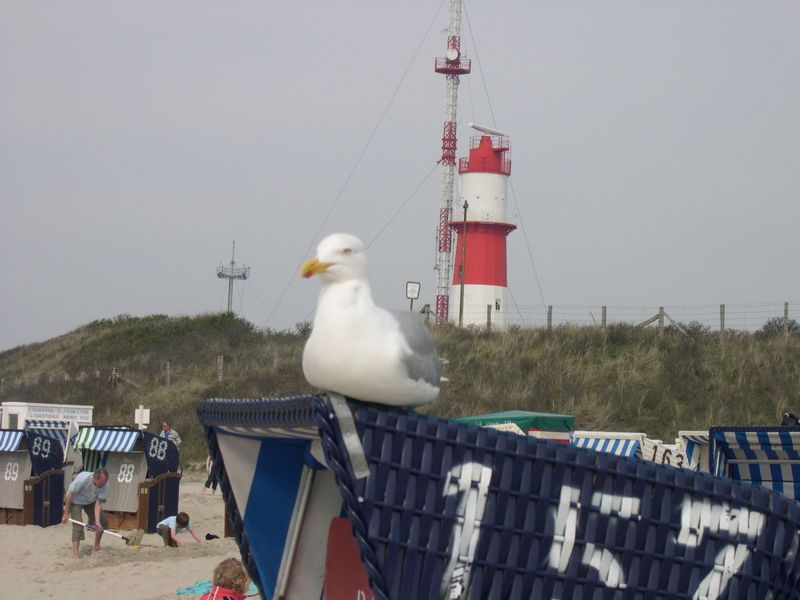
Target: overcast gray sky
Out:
[655,149]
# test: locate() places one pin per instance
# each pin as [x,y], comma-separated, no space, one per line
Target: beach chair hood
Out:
[448,509]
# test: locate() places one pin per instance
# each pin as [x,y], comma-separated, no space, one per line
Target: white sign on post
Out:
[412,292]
[141,416]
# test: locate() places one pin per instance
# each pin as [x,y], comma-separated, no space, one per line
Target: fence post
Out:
[169,372]
[786,320]
[549,317]
[219,369]
[721,321]
[660,319]
[603,317]
[488,317]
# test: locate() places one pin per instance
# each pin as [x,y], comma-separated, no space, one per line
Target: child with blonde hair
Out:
[230,581]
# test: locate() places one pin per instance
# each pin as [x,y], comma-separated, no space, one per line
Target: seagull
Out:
[358,349]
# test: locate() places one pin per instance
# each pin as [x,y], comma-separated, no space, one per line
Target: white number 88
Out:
[158,449]
[126,473]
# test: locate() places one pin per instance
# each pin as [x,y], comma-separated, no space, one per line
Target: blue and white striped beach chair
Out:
[31,478]
[696,447]
[765,456]
[139,464]
[613,442]
[58,429]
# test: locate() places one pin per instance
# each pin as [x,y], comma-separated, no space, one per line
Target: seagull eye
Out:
[347,251]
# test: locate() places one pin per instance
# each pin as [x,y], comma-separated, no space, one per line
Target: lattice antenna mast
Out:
[230,273]
[451,67]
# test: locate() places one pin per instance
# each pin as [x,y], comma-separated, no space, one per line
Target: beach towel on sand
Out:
[204,586]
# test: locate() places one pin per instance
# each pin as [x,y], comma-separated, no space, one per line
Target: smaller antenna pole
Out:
[231,273]
[230,279]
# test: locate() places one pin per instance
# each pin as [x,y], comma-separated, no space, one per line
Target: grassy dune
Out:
[616,378]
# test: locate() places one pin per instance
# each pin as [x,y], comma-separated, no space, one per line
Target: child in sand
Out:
[229,583]
[170,527]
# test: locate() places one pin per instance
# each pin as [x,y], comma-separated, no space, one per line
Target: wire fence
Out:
[748,317]
[742,317]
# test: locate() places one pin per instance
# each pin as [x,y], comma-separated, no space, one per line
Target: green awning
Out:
[525,420]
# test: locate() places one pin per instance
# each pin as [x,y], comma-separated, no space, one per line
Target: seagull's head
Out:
[340,257]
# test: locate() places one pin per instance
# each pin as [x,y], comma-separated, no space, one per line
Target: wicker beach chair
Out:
[442,509]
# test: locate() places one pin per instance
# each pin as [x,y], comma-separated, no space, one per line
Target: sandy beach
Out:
[36,562]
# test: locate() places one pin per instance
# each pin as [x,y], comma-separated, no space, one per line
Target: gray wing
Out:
[423,362]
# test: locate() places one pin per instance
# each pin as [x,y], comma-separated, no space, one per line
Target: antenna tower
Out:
[451,67]
[230,273]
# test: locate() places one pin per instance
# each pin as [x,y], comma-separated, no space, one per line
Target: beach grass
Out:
[617,378]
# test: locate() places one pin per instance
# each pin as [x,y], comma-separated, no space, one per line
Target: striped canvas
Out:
[107,440]
[10,439]
[619,444]
[695,446]
[764,456]
[92,460]
[54,429]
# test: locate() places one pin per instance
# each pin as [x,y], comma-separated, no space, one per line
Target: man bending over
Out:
[87,493]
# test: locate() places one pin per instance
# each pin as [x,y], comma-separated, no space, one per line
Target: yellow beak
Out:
[312,267]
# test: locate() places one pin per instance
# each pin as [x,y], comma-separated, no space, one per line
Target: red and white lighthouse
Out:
[481,226]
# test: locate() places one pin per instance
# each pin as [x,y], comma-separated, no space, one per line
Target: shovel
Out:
[133,540]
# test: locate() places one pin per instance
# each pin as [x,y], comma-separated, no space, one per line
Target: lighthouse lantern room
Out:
[481,226]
